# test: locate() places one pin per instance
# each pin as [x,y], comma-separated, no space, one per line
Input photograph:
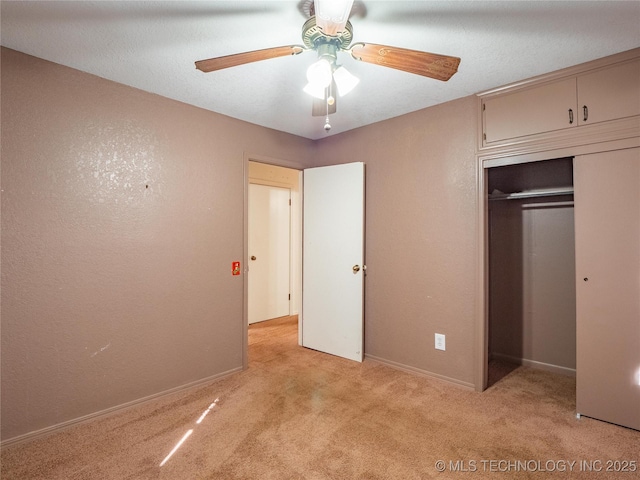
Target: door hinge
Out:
[484,137]
[484,107]
[289,297]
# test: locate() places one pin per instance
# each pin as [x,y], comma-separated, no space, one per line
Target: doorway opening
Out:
[334,267]
[273,254]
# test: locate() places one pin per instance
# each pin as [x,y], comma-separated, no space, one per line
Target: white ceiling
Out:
[153,45]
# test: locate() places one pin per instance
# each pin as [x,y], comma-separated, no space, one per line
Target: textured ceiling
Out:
[153,46]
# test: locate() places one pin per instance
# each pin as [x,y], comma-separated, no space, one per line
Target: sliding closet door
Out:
[607,228]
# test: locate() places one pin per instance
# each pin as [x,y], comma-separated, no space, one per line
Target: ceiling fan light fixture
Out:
[331,14]
[328,31]
[319,73]
[345,80]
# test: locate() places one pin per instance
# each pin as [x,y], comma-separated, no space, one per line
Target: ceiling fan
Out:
[327,32]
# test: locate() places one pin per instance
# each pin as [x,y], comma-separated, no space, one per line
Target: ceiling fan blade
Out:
[432,65]
[332,15]
[227,61]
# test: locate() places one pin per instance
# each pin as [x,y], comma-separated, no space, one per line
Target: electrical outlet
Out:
[440,342]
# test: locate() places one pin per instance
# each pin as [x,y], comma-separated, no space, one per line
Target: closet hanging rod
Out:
[551,192]
[556,204]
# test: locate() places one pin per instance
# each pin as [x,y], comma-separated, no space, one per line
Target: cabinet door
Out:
[609,94]
[607,228]
[535,110]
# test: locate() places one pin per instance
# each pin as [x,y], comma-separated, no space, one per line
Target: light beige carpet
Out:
[300,414]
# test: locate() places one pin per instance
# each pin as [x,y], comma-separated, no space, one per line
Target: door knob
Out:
[253,257]
[356,268]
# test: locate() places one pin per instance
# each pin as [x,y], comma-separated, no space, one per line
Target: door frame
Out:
[276,162]
[534,152]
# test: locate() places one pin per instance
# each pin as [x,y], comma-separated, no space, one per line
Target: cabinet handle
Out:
[570,116]
[585,113]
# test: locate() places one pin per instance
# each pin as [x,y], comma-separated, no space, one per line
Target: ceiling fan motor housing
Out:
[314,38]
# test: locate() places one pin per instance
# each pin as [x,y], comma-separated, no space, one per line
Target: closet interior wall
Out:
[532,298]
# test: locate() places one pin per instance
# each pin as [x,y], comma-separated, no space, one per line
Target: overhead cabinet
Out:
[535,110]
[609,93]
[602,95]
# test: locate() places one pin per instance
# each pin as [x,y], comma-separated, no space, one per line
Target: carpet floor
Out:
[300,414]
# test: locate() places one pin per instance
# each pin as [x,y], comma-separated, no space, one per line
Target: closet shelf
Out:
[545,192]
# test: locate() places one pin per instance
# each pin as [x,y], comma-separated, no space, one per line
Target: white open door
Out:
[333,260]
[269,252]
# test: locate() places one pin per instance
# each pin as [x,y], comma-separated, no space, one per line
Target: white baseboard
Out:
[418,371]
[27,437]
[571,372]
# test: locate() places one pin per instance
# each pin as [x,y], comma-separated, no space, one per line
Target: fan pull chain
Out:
[327,93]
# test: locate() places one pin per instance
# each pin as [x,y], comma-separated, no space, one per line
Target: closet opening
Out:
[531,269]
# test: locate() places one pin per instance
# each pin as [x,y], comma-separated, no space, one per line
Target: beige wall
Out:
[121,214]
[113,291]
[420,235]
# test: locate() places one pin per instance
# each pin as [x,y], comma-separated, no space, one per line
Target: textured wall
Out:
[421,236]
[121,214]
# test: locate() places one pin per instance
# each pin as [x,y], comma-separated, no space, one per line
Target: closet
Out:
[564,275]
[559,160]
[532,300]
